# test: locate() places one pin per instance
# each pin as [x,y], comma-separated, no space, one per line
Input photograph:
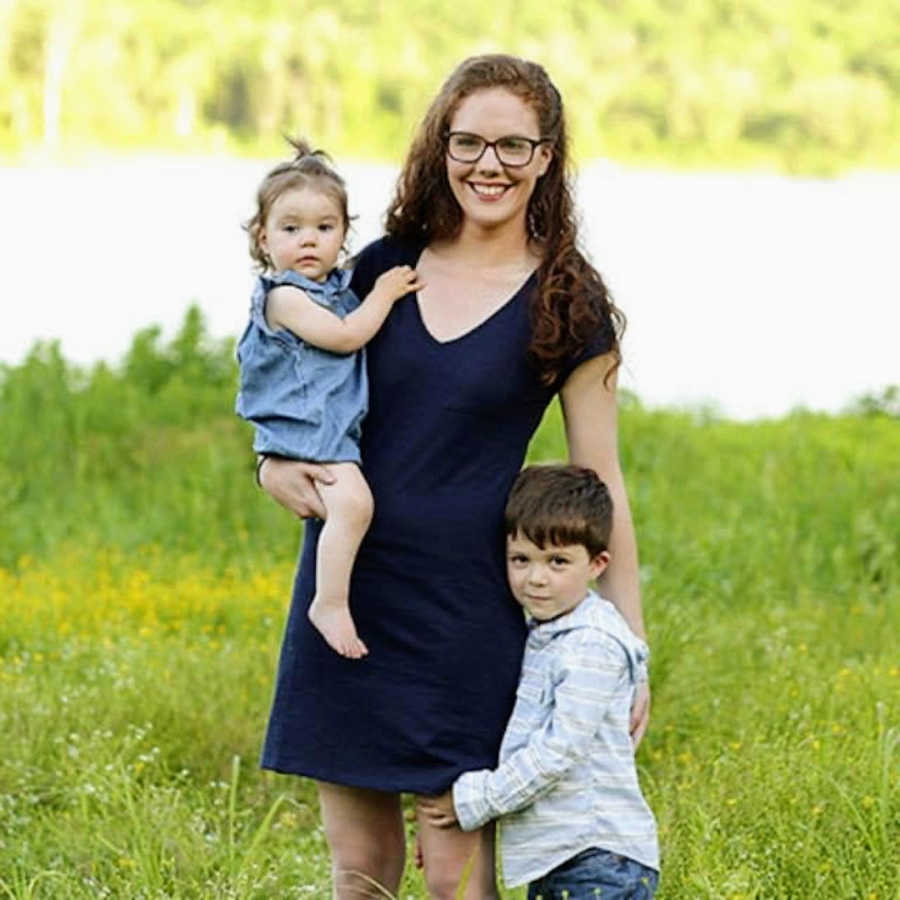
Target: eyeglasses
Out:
[511,150]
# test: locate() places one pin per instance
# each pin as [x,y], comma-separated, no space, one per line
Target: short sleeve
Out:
[599,343]
[366,268]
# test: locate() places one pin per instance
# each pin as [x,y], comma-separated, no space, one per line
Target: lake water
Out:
[753,293]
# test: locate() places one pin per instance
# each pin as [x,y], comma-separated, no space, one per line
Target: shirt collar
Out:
[336,281]
[574,618]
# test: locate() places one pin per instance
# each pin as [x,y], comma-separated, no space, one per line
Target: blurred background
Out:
[739,181]
[738,168]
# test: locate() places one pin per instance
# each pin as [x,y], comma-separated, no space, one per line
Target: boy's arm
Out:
[289,307]
[585,682]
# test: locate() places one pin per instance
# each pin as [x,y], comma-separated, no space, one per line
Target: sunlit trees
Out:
[810,85]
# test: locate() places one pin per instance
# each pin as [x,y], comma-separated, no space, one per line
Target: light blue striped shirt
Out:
[567,780]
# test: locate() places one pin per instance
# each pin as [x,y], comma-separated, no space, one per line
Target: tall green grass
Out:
[144,580]
[146,452]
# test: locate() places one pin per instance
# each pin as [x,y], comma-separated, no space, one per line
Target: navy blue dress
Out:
[447,430]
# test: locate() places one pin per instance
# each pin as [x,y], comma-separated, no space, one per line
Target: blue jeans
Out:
[596,875]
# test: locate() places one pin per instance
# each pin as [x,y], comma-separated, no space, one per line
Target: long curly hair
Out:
[309,168]
[572,304]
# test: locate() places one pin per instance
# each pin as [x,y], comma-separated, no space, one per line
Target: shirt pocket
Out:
[533,699]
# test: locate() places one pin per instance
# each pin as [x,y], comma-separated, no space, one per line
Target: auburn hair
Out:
[572,305]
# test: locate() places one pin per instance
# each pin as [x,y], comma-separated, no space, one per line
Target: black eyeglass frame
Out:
[535,143]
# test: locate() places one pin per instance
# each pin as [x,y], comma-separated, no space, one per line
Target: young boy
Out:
[575,824]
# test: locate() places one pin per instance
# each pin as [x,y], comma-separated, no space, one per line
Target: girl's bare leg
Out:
[450,853]
[365,834]
[348,502]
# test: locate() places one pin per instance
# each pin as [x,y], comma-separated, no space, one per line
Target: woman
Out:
[459,378]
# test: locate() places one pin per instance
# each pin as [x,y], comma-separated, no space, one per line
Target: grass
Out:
[143,588]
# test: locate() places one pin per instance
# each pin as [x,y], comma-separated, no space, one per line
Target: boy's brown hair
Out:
[560,505]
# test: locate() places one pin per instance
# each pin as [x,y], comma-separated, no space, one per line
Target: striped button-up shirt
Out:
[567,780]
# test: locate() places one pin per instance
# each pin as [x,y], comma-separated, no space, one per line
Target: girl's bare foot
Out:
[334,623]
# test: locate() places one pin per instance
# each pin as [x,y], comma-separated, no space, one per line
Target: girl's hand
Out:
[439,810]
[397,283]
[292,483]
[640,714]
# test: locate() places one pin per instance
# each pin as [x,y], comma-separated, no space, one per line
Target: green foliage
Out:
[144,453]
[808,86]
[884,403]
[143,584]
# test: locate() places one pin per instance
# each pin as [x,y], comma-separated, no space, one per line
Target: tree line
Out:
[812,85]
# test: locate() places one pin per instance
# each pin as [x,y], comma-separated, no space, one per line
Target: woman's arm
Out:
[590,414]
[289,307]
[589,410]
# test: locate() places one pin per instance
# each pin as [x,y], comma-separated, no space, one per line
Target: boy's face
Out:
[552,581]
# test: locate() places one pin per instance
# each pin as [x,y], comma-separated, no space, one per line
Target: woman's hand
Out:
[640,714]
[292,483]
[438,810]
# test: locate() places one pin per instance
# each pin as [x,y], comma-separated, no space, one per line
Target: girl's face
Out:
[491,194]
[303,231]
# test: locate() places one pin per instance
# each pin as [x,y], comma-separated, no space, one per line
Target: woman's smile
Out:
[490,191]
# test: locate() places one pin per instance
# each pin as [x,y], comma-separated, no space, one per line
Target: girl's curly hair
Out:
[572,304]
[308,168]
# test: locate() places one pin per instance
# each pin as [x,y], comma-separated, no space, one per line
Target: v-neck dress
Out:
[446,433]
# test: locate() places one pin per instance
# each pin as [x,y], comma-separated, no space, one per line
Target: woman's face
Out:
[491,194]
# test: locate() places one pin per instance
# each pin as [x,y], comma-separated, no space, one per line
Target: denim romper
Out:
[306,403]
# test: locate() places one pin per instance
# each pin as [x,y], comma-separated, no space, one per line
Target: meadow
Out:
[143,588]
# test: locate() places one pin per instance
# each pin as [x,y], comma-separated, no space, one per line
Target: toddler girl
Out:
[303,375]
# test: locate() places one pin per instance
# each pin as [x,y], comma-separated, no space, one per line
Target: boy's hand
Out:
[397,283]
[439,810]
